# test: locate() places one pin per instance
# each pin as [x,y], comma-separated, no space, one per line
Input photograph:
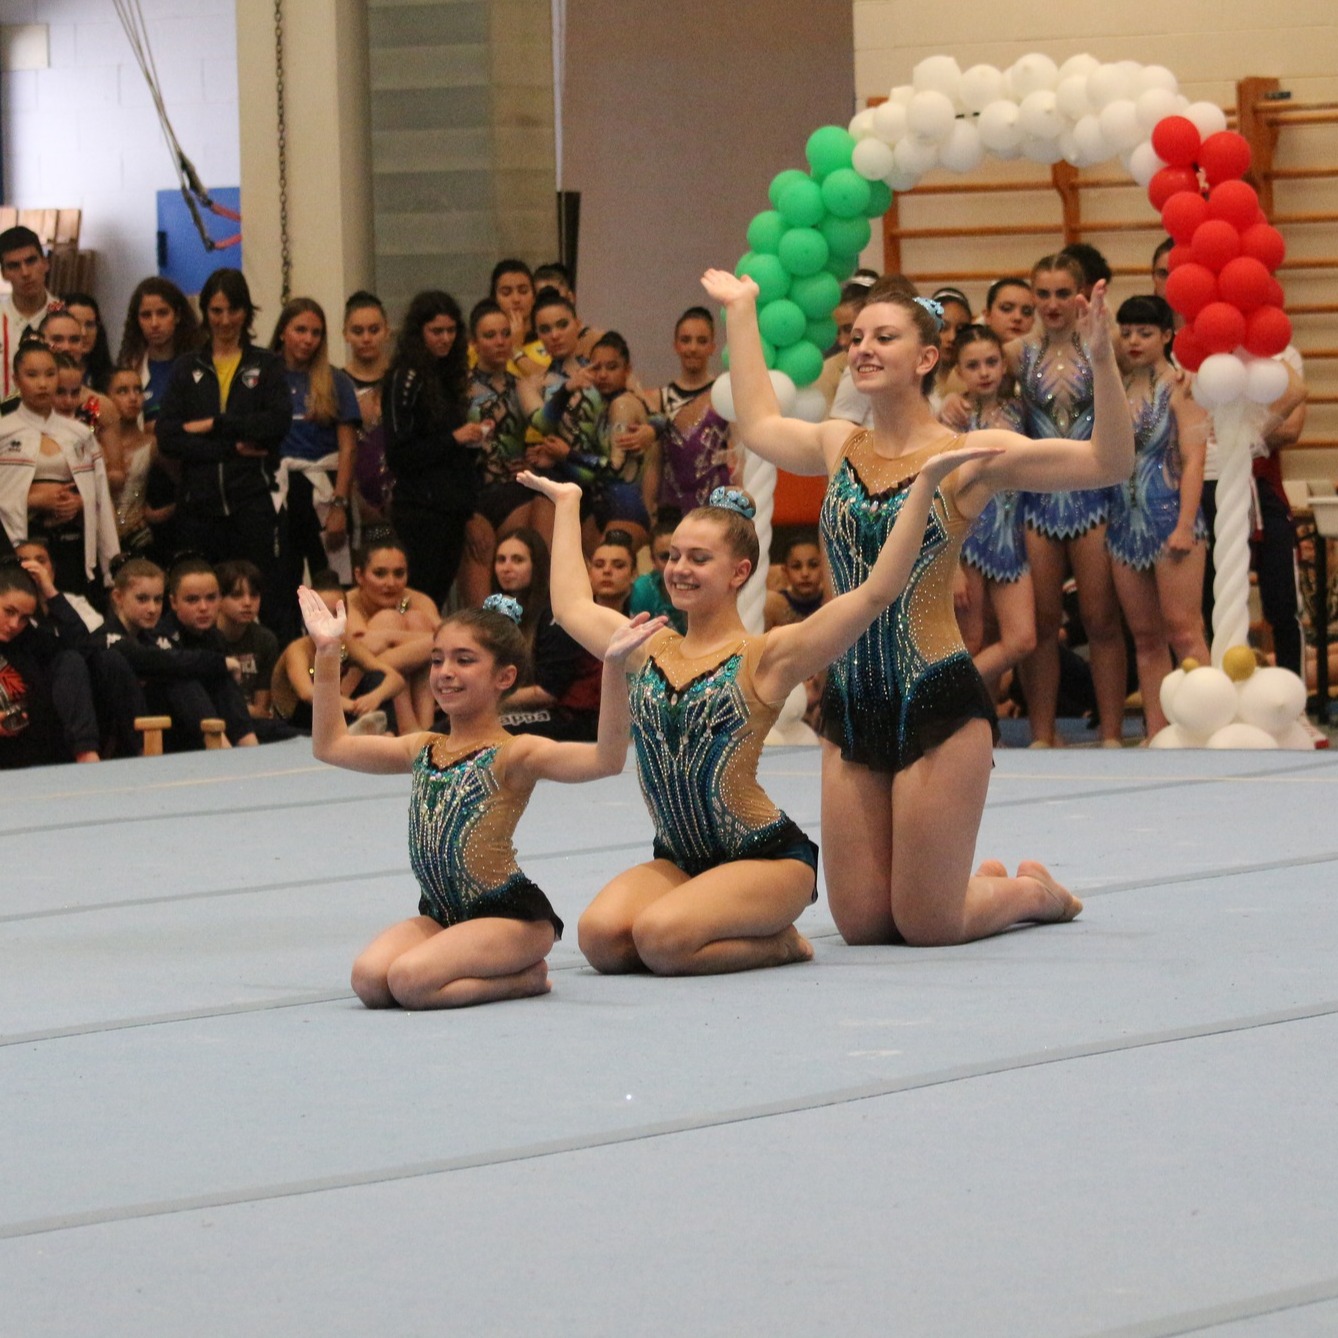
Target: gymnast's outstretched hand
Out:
[326,629]
[1094,321]
[938,467]
[723,287]
[634,633]
[554,489]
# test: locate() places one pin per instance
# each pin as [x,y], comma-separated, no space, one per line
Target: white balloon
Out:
[1081,66]
[1143,163]
[722,397]
[1265,380]
[938,74]
[1240,735]
[1170,685]
[1172,736]
[786,392]
[981,85]
[872,159]
[1039,115]
[1158,76]
[998,126]
[1209,117]
[889,121]
[1032,73]
[899,179]
[1271,699]
[914,156]
[1068,146]
[1133,73]
[861,124]
[1296,736]
[1204,702]
[810,404]
[930,116]
[1107,84]
[1071,97]
[962,151]
[1090,141]
[1220,380]
[1153,105]
[1045,151]
[1119,125]
[903,93]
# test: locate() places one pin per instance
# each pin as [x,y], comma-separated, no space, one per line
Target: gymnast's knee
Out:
[606,942]
[371,985]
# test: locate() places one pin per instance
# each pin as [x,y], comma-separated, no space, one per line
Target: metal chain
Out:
[285,250]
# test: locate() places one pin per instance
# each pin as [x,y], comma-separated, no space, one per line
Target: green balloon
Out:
[845,193]
[769,353]
[801,204]
[841,267]
[782,323]
[764,232]
[816,295]
[724,357]
[803,251]
[880,199]
[780,181]
[768,273]
[801,362]
[821,334]
[829,148]
[846,236]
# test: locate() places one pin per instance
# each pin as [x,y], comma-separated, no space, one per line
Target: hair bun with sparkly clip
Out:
[732,499]
[935,309]
[506,606]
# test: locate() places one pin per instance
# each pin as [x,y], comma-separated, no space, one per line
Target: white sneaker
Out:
[374,722]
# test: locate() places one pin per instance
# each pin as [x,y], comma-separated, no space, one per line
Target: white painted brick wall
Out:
[83,133]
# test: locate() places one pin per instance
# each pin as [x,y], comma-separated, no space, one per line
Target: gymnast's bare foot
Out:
[525,983]
[792,946]
[1065,906]
[992,868]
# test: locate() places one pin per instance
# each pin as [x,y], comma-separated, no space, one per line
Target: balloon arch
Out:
[1222,282]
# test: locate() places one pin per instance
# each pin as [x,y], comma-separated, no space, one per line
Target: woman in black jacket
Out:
[430,445]
[224,415]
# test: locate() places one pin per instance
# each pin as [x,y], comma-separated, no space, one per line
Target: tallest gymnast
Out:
[908,726]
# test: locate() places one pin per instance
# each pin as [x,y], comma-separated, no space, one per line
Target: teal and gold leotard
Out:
[698,726]
[908,683]
[462,820]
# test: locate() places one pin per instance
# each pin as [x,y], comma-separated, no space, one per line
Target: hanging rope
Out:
[285,250]
[192,190]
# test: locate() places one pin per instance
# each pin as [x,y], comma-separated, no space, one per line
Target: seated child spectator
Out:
[178,681]
[805,588]
[648,592]
[131,453]
[373,680]
[613,569]
[250,643]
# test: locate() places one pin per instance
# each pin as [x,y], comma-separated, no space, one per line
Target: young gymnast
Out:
[730,873]
[483,930]
[906,717]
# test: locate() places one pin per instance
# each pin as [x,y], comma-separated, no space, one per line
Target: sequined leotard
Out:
[994,545]
[1147,508]
[1058,515]
[462,816]
[698,726]
[908,683]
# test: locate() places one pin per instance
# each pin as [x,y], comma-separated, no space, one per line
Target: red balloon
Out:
[1224,156]
[1219,327]
[1190,288]
[1215,242]
[1179,255]
[1268,332]
[1263,242]
[1176,140]
[1189,352]
[1182,213]
[1245,283]
[1276,297]
[1169,181]
[1235,203]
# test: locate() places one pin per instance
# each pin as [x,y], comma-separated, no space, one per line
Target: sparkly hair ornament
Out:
[506,606]
[732,499]
[935,309]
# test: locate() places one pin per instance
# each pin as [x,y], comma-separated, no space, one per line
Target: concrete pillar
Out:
[328,153]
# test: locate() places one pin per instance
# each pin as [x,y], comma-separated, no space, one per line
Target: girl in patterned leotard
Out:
[730,873]
[917,771]
[1156,536]
[1066,530]
[994,555]
[483,929]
